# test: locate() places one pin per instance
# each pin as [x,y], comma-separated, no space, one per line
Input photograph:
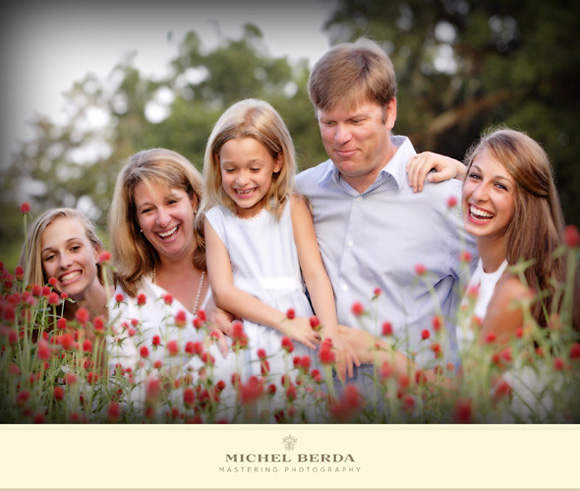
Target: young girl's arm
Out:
[318,283]
[229,297]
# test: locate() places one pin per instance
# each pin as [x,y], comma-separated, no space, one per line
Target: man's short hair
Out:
[350,73]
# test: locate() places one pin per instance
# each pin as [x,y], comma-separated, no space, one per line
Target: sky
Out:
[46,46]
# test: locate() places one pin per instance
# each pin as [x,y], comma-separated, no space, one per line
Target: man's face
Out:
[358,141]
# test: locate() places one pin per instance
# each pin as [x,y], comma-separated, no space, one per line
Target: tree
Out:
[465,65]
[462,66]
[76,164]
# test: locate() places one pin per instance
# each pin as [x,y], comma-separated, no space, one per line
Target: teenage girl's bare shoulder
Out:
[505,310]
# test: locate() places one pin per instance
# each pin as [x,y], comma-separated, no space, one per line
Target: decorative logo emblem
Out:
[289,442]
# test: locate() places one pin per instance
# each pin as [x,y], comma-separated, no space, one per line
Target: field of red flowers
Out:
[58,371]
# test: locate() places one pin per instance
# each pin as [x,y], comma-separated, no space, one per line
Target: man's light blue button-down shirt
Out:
[376,238]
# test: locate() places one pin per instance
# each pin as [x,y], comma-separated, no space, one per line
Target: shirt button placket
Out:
[347,259]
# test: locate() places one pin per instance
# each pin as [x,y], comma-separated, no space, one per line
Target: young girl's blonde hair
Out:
[31,255]
[133,255]
[250,118]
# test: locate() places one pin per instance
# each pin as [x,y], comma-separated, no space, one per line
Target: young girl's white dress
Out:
[265,263]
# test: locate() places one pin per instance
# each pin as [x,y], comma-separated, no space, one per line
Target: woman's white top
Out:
[485,284]
[527,383]
[155,317]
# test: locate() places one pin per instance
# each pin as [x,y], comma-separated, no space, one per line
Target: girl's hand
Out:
[221,320]
[360,343]
[222,325]
[299,329]
[419,169]
[346,358]
[222,342]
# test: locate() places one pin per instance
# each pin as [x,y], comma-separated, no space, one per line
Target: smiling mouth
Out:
[479,214]
[69,276]
[169,233]
[244,192]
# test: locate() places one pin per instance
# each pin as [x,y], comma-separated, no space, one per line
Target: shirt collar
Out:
[329,172]
[396,167]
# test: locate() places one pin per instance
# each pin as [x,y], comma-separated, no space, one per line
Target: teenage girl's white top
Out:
[527,383]
[265,263]
[485,284]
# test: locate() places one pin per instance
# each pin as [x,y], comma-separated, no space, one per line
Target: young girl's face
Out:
[247,168]
[488,197]
[68,255]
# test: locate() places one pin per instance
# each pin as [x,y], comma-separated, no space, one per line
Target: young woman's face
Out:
[247,168]
[488,197]
[166,218]
[69,256]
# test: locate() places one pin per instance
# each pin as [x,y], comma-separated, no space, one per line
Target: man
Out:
[374,231]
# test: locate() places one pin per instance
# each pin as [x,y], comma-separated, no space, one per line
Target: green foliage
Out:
[516,63]
[54,370]
[77,164]
[512,62]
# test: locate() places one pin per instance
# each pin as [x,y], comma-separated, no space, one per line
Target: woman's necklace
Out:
[197,297]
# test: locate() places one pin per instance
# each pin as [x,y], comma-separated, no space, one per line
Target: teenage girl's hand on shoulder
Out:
[419,169]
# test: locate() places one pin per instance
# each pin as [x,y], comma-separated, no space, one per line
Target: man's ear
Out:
[391,113]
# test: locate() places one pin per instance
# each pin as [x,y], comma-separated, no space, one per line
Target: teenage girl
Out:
[63,244]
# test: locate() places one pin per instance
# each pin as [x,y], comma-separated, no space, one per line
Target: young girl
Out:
[260,238]
[63,244]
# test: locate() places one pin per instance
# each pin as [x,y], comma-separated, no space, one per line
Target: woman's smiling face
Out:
[166,217]
[69,256]
[488,197]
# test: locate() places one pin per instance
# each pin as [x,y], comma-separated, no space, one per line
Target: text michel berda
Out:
[255,463]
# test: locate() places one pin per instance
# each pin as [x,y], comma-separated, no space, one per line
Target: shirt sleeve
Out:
[215,217]
[463,246]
